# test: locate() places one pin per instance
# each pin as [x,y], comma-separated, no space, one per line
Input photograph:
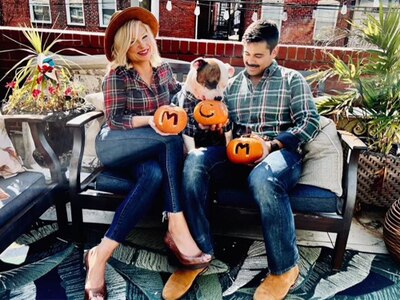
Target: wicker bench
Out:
[85,193]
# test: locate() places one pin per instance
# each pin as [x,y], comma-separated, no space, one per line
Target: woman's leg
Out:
[148,178]
[117,148]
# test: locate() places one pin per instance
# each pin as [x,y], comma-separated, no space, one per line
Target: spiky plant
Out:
[40,86]
[372,81]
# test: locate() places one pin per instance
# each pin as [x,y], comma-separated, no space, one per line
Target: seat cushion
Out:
[303,198]
[22,189]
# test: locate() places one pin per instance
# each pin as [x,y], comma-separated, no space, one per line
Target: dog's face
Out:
[208,78]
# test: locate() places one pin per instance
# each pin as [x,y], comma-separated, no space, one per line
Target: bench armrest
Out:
[77,126]
[37,125]
[352,147]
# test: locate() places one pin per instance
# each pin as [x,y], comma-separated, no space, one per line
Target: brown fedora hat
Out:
[120,17]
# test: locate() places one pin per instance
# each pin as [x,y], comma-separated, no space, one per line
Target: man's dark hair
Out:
[262,31]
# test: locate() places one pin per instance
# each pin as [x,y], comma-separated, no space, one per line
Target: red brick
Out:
[292,53]
[309,54]
[238,50]
[184,47]
[282,52]
[236,62]
[210,48]
[229,50]
[174,46]
[220,49]
[166,46]
[193,46]
[301,53]
[202,48]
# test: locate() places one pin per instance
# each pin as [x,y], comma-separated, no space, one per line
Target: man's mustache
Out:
[252,66]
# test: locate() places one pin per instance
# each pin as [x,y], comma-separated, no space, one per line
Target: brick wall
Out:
[297,57]
[180,22]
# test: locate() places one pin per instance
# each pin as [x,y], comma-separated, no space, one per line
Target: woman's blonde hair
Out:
[123,41]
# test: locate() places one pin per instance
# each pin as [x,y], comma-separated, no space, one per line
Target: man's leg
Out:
[197,170]
[270,183]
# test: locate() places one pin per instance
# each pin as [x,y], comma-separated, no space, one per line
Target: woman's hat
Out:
[120,17]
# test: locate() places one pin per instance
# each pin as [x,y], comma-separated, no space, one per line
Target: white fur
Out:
[202,93]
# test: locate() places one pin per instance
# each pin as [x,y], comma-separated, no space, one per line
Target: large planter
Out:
[378,179]
[391,230]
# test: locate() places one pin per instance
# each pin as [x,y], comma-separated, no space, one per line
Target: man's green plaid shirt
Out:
[280,107]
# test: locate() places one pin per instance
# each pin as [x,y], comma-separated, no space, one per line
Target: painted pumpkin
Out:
[210,112]
[170,119]
[244,150]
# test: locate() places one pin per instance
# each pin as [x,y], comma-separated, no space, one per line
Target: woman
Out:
[136,84]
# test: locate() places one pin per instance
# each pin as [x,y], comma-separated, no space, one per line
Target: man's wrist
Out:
[275,145]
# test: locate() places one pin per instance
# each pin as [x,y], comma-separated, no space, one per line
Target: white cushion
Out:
[10,162]
[93,128]
[323,159]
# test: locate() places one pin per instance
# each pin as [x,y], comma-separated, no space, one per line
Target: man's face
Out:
[257,57]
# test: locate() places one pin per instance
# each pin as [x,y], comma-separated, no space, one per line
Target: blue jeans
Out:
[269,183]
[153,161]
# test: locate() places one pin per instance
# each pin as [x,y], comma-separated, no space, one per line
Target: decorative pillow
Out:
[323,159]
[10,162]
[93,128]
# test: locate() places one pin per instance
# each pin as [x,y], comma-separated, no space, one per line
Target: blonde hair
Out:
[123,41]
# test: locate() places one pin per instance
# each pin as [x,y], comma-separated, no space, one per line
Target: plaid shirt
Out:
[127,95]
[188,102]
[281,106]
[202,138]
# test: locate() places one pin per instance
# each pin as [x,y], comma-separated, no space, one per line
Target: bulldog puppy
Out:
[206,80]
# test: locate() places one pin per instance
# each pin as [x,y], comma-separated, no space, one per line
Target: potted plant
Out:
[371,102]
[40,86]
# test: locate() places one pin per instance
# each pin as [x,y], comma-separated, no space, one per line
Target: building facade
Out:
[302,22]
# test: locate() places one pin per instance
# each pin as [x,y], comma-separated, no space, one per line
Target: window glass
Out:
[273,10]
[106,10]
[40,11]
[325,20]
[75,13]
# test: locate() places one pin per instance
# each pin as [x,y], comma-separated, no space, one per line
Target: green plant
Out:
[39,85]
[372,81]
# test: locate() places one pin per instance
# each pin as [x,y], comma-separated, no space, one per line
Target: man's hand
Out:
[266,148]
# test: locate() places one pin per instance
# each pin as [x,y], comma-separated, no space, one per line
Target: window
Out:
[325,20]
[273,10]
[75,15]
[361,10]
[40,11]
[106,10]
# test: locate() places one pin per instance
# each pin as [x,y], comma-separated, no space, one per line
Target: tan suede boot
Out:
[276,287]
[180,282]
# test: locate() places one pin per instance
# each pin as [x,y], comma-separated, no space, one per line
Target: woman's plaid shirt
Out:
[281,106]
[127,95]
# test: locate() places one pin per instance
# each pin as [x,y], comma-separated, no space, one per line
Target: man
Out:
[274,104]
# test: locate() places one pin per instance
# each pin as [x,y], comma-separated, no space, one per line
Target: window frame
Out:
[279,5]
[329,4]
[68,6]
[33,3]
[101,16]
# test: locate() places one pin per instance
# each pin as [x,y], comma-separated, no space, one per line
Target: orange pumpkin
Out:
[210,112]
[244,150]
[170,119]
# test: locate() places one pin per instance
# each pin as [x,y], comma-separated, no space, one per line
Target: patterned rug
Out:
[53,269]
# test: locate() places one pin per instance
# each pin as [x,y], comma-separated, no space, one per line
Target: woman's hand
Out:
[218,127]
[153,125]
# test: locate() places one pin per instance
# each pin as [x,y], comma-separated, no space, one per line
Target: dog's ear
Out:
[198,63]
[231,70]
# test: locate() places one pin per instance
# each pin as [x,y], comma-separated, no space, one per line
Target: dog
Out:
[206,80]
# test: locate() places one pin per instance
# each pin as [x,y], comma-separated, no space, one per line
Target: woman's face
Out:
[140,49]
